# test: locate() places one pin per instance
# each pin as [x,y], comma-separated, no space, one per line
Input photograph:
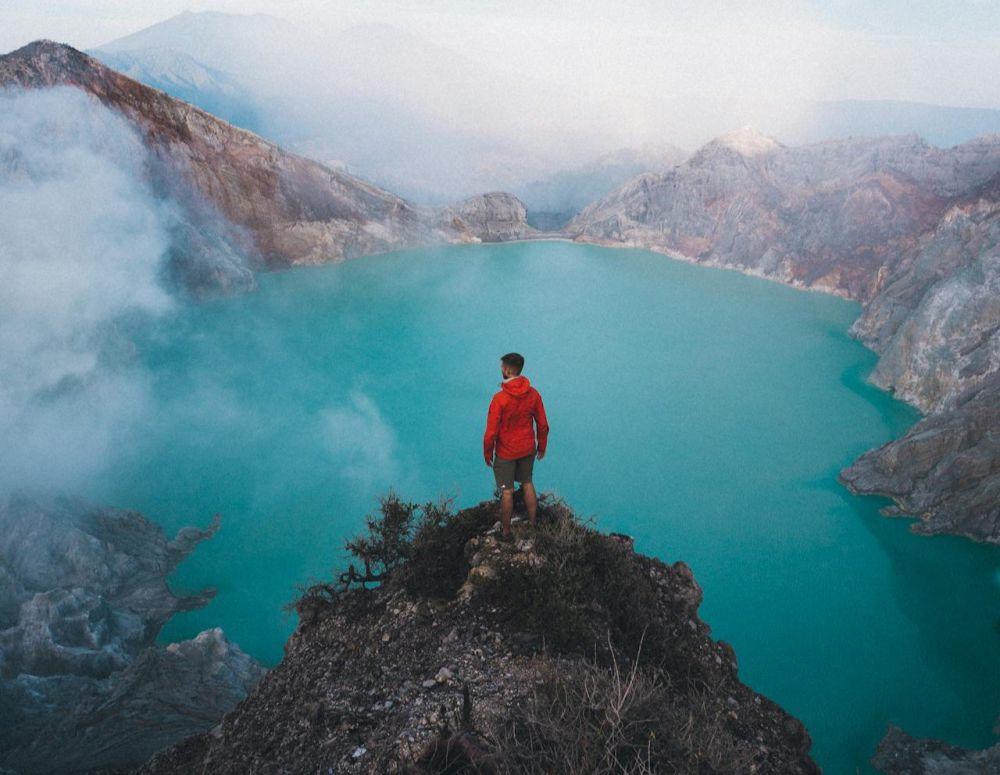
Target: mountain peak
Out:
[43,48]
[45,63]
[746,141]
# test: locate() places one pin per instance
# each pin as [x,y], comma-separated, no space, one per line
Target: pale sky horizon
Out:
[777,50]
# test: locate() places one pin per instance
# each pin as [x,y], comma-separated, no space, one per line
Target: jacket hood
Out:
[516,387]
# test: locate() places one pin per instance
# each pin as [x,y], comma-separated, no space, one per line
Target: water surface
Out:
[702,411]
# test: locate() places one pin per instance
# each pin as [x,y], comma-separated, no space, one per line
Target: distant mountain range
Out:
[395,109]
[185,78]
[941,125]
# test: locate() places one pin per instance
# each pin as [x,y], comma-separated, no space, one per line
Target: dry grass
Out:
[587,719]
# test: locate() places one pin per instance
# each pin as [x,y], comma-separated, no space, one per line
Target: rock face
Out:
[244,196]
[936,319]
[373,680]
[946,469]
[909,230]
[494,217]
[900,754]
[83,595]
[936,324]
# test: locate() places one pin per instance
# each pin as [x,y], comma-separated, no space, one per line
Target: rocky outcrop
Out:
[245,201]
[563,650]
[900,754]
[83,596]
[494,217]
[945,470]
[909,230]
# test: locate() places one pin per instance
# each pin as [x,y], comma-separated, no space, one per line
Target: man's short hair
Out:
[513,360]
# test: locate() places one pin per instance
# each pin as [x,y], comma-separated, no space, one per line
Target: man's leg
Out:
[503,471]
[530,501]
[506,509]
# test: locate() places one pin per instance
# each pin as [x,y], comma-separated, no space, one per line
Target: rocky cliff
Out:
[936,324]
[946,468]
[900,754]
[494,217]
[243,197]
[83,596]
[561,651]
[909,230]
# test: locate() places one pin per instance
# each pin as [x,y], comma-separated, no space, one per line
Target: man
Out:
[515,420]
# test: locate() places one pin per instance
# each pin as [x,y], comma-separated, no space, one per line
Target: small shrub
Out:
[425,544]
[386,545]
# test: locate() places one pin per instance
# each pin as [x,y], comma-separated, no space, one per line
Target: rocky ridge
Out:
[909,230]
[83,596]
[248,204]
[562,650]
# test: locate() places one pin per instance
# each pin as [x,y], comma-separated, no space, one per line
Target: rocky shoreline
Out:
[83,685]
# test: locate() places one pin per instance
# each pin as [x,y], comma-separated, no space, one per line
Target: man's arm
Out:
[492,430]
[541,427]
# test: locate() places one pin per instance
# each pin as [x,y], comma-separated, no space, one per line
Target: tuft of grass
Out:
[583,718]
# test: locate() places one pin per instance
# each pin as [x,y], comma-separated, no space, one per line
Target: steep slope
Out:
[576,653]
[935,318]
[240,194]
[909,230]
[83,596]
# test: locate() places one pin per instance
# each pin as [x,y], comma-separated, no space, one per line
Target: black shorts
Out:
[507,472]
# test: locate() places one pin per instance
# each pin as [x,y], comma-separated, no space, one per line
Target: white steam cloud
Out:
[82,243]
[361,443]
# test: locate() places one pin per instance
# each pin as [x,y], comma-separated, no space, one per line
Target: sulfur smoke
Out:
[82,248]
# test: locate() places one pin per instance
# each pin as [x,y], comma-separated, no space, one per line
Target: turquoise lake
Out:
[704,412]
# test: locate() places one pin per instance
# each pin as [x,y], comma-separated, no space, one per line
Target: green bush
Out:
[421,545]
[438,566]
[586,594]
[386,544]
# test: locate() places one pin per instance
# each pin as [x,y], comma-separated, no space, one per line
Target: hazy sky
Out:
[939,52]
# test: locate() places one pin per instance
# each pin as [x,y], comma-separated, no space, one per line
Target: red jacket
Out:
[516,416]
